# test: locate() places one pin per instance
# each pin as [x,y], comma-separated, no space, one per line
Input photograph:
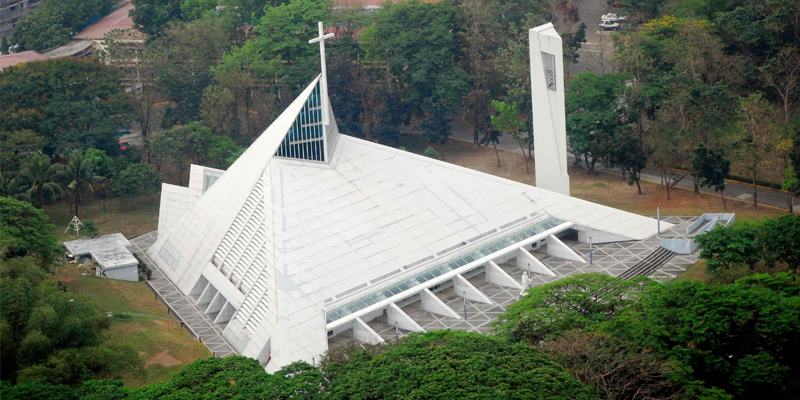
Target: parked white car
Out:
[608,25]
[613,17]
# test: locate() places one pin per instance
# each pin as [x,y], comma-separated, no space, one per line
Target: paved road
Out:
[598,49]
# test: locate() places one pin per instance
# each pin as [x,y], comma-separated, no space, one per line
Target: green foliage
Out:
[36,390]
[89,229]
[452,365]
[103,164]
[183,57]
[780,239]
[194,143]
[53,335]
[576,302]
[38,180]
[54,21]
[79,173]
[55,99]
[137,180]
[508,122]
[430,152]
[418,42]
[16,146]
[25,232]
[150,16]
[279,50]
[594,115]
[742,337]
[618,369]
[236,377]
[730,246]
[711,167]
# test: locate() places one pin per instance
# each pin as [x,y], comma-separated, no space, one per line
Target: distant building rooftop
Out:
[119,19]
[73,48]
[17,58]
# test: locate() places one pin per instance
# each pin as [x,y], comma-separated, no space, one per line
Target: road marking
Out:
[590,51]
[604,32]
[744,196]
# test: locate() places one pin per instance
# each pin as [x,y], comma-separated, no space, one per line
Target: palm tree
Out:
[8,185]
[80,174]
[37,178]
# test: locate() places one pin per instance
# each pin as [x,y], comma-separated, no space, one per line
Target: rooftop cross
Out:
[324,79]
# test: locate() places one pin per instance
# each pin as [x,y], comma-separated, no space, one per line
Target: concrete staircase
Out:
[649,264]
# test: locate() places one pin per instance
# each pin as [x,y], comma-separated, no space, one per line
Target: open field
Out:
[129,216]
[162,344]
[600,188]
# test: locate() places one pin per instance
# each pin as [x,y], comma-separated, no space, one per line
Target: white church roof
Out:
[281,241]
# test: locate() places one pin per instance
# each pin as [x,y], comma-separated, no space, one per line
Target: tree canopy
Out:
[26,232]
[72,103]
[457,365]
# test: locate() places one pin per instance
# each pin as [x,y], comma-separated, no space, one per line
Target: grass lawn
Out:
[162,344]
[129,216]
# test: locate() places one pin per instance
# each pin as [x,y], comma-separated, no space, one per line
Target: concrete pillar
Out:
[463,287]
[396,315]
[496,275]
[527,262]
[207,295]
[434,305]
[225,314]
[216,304]
[557,248]
[364,334]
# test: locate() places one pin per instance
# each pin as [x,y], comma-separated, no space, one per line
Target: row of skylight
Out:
[441,269]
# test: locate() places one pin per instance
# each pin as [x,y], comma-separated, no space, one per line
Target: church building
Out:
[312,233]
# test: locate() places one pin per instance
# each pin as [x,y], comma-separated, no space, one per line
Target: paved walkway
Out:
[182,307]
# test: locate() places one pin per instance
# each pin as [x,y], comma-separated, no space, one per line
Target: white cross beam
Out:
[324,80]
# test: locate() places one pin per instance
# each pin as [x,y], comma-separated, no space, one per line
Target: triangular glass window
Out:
[306,138]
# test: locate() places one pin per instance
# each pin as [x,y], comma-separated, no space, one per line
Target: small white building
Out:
[111,254]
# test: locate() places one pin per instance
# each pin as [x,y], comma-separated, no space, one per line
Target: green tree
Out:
[731,246]
[779,237]
[576,302]
[758,136]
[25,232]
[183,57]
[38,180]
[450,365]
[430,152]
[509,122]
[594,115]
[193,143]
[741,337]
[15,146]
[103,164]
[137,180]
[151,16]
[791,185]
[55,99]
[631,156]
[711,168]
[79,173]
[418,43]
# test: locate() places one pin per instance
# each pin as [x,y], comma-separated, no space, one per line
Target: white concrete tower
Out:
[549,125]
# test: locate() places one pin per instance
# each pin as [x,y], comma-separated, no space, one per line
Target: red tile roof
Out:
[17,58]
[118,19]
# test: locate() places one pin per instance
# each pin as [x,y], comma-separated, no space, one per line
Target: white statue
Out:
[526,283]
